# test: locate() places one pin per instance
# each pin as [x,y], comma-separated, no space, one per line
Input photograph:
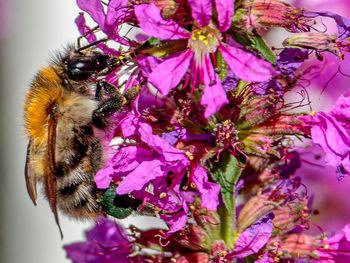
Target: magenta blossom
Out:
[154,161]
[105,243]
[108,21]
[204,40]
[328,130]
[335,249]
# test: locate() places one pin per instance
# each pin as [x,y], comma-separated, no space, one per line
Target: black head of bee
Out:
[81,67]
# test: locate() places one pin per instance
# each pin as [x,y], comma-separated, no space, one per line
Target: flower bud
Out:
[254,209]
[317,41]
[168,7]
[289,216]
[256,14]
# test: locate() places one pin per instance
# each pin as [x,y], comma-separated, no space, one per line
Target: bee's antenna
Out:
[82,36]
[92,44]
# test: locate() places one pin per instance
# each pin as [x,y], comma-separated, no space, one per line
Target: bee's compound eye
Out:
[84,63]
[81,68]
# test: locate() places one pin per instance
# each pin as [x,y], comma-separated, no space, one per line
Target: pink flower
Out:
[105,243]
[153,160]
[335,249]
[203,41]
[331,135]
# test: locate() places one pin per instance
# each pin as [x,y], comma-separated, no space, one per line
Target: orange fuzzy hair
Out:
[44,92]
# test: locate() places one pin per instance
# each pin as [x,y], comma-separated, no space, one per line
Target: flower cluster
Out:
[208,145]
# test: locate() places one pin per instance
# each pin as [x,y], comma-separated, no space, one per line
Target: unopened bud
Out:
[255,14]
[168,7]
[316,41]
[288,217]
[254,209]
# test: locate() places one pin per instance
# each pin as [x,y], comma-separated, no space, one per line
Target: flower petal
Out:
[225,9]
[214,96]
[209,191]
[95,9]
[115,11]
[152,22]
[138,178]
[245,65]
[255,237]
[90,36]
[201,11]
[331,136]
[169,73]
[343,23]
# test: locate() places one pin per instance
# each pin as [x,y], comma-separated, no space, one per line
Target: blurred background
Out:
[29,32]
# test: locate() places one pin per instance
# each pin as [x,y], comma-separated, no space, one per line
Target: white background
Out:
[34,30]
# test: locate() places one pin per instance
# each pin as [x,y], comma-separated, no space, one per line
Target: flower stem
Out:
[227,226]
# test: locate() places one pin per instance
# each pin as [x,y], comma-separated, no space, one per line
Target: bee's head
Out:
[84,64]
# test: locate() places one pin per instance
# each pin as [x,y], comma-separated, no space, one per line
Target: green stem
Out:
[227,226]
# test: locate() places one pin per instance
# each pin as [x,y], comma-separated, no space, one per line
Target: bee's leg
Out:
[113,104]
[132,93]
[108,88]
[87,33]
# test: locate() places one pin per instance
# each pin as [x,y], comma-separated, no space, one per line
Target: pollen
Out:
[162,195]
[204,41]
[189,155]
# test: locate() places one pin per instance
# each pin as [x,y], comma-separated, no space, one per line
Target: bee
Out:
[65,101]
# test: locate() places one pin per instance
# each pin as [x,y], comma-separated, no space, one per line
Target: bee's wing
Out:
[31,179]
[50,178]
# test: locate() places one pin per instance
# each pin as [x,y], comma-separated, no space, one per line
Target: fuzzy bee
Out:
[64,103]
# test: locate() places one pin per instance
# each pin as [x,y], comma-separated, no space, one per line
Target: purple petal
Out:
[95,9]
[291,59]
[106,234]
[103,177]
[176,221]
[225,9]
[214,96]
[163,147]
[128,125]
[255,237]
[144,173]
[201,11]
[152,22]
[169,73]
[147,64]
[341,109]
[209,192]
[125,160]
[343,23]
[230,82]
[91,38]
[331,136]
[247,66]
[115,11]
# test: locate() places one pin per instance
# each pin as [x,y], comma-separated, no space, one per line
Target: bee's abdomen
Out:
[76,189]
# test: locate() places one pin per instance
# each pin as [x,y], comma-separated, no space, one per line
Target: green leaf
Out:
[118,206]
[258,43]
[255,42]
